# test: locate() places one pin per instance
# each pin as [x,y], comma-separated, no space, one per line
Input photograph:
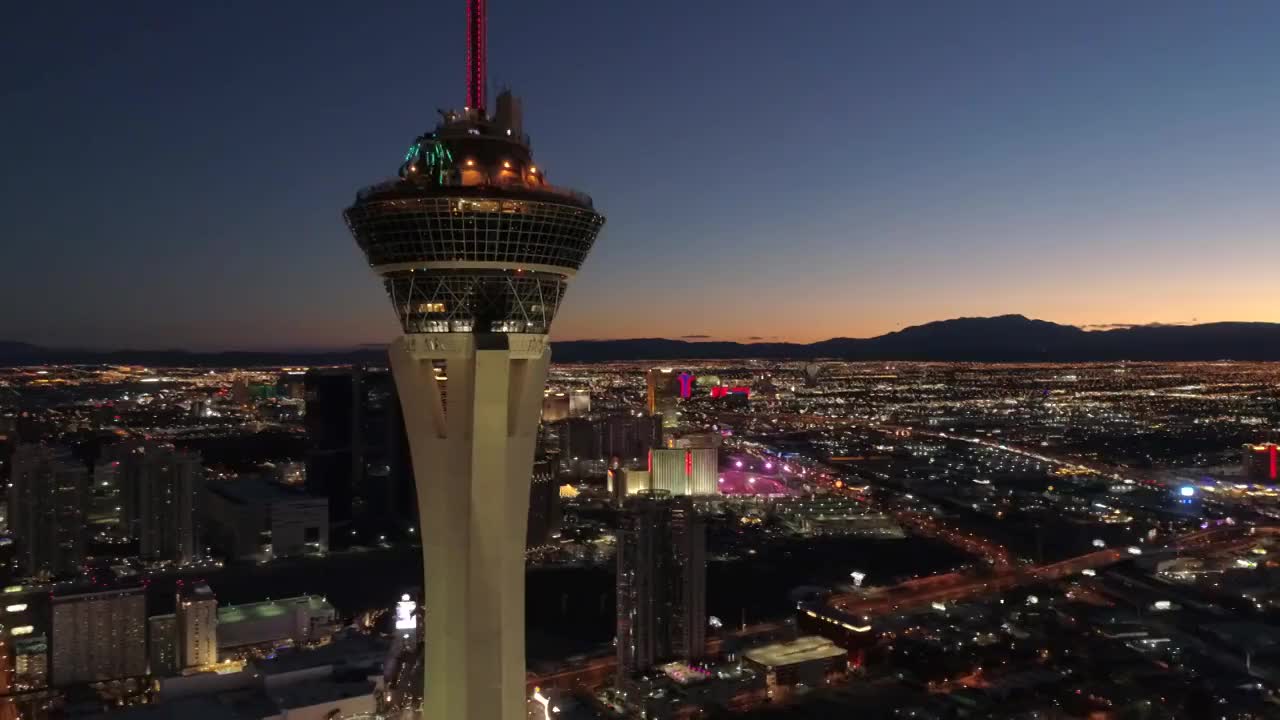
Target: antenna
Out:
[476,51]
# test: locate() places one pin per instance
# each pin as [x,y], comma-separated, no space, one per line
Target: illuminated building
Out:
[685,471]
[99,635]
[1262,462]
[197,620]
[628,481]
[558,406]
[30,663]
[664,389]
[475,250]
[298,621]
[162,645]
[158,486]
[555,407]
[835,515]
[661,582]
[407,620]
[48,499]
[357,455]
[810,660]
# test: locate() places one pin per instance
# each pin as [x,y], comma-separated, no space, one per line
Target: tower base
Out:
[471,406]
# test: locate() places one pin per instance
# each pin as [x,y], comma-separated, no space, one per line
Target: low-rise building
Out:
[291,621]
[259,520]
[809,660]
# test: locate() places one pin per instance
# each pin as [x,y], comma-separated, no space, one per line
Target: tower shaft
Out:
[472,437]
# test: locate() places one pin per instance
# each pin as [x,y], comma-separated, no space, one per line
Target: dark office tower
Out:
[689,615]
[358,455]
[475,250]
[48,499]
[581,439]
[544,506]
[158,490]
[661,580]
[630,437]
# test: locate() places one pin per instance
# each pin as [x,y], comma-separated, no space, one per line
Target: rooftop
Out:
[254,491]
[350,650]
[800,650]
[316,693]
[271,609]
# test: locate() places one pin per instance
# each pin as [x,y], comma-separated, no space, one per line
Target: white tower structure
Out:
[475,250]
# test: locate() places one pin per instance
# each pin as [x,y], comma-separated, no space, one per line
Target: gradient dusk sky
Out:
[175,172]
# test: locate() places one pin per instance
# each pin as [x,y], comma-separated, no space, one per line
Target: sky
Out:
[175,173]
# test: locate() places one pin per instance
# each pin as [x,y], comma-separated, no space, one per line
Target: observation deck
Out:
[471,237]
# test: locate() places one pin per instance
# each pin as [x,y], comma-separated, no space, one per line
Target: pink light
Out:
[768,466]
[737,463]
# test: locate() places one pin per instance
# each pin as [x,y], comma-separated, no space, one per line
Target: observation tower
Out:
[475,249]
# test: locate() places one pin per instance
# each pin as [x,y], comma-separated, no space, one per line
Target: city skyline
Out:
[1086,165]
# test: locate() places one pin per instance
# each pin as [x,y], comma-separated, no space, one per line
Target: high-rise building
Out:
[48,500]
[623,481]
[661,582]
[686,471]
[629,438]
[358,454]
[625,437]
[581,439]
[99,635]
[1262,462]
[30,663]
[557,406]
[689,614]
[475,250]
[162,645]
[197,624]
[157,487]
[664,389]
[544,506]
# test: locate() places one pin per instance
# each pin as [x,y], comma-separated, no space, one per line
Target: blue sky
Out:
[176,172]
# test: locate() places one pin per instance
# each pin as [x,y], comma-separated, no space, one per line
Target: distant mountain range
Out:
[1007,338]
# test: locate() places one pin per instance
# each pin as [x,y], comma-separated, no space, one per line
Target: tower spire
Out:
[476,52]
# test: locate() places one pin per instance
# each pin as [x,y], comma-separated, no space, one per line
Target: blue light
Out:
[1187,491]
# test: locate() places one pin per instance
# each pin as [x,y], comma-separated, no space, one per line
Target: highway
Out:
[954,587]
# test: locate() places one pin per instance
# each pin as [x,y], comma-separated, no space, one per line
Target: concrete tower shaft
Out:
[475,250]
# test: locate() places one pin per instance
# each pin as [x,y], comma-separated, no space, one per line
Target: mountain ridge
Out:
[1002,338]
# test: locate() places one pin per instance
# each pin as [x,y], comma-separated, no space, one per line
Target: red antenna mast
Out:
[476,20]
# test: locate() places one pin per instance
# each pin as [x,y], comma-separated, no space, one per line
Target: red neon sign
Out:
[1275,450]
[688,462]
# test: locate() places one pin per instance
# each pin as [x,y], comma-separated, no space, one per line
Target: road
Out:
[955,587]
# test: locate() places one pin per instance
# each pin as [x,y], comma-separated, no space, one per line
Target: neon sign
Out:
[686,385]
